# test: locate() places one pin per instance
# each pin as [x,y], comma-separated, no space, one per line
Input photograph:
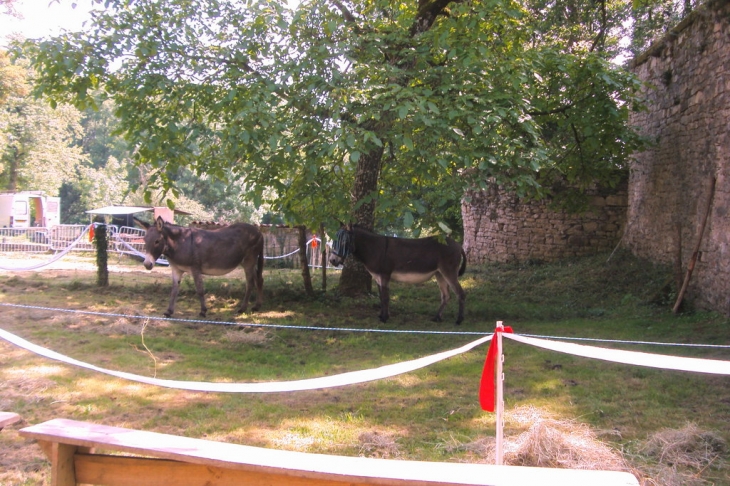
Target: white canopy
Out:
[118,210]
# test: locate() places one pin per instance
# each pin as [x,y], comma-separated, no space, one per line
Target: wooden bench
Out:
[8,418]
[74,449]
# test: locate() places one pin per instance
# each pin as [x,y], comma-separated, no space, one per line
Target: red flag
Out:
[91,233]
[486,386]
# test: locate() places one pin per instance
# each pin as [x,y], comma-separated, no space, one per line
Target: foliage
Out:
[223,201]
[289,104]
[79,155]
[72,207]
[100,140]
[12,78]
[36,142]
[653,19]
[593,26]
[56,150]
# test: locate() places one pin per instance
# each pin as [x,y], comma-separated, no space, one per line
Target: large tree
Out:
[351,109]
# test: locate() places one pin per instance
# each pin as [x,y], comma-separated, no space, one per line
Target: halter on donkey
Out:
[404,260]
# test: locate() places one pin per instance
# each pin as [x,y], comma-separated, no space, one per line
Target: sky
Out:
[42,18]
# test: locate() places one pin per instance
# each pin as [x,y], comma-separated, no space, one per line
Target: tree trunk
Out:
[102,269]
[323,247]
[355,280]
[306,276]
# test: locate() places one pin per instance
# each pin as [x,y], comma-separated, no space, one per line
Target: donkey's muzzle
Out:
[336,260]
[148,263]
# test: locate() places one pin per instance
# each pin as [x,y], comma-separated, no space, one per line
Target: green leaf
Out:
[407,219]
[408,142]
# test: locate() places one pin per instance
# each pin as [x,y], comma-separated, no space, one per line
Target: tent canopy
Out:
[119,210]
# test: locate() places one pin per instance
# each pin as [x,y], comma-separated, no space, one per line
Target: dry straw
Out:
[682,455]
[549,442]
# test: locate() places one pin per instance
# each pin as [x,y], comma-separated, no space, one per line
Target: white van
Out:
[29,208]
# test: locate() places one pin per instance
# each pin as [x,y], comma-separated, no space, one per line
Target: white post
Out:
[499,460]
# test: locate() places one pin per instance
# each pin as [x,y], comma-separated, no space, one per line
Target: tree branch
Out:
[427,13]
[346,14]
[602,32]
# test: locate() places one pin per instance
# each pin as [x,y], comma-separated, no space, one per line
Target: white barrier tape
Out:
[292,253]
[661,361]
[625,341]
[343,379]
[132,250]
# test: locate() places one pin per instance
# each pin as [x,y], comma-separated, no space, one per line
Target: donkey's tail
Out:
[260,264]
[463,263]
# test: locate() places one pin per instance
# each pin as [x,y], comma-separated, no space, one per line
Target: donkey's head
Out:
[155,241]
[343,245]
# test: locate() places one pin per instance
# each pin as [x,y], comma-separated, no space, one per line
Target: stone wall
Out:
[688,118]
[500,227]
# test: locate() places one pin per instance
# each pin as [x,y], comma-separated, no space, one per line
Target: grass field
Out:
[669,428]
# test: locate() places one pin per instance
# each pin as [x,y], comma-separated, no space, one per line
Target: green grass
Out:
[430,414]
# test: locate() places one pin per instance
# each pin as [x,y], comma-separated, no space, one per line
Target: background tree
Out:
[651,19]
[37,148]
[8,7]
[357,110]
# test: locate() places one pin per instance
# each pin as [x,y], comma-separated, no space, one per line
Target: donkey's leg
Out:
[259,278]
[456,287]
[384,291]
[177,275]
[200,290]
[249,271]
[444,288]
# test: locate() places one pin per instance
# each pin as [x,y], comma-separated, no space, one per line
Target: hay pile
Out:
[549,442]
[689,446]
[374,444]
[254,336]
[682,455]
[671,457]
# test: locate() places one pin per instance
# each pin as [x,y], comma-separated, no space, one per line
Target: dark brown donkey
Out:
[207,252]
[404,260]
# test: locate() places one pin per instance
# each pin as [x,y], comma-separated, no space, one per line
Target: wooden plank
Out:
[321,467]
[138,471]
[8,418]
[62,465]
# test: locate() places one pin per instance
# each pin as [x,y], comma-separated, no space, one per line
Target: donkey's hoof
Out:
[255,308]
[437,319]
[167,314]
[241,310]
[202,313]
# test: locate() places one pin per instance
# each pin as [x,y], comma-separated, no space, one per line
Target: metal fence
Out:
[30,240]
[124,240]
[61,237]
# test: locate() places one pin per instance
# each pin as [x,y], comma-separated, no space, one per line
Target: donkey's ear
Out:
[141,224]
[160,223]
